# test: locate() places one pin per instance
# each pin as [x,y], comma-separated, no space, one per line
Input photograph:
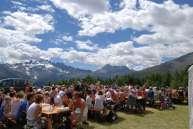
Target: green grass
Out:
[153,119]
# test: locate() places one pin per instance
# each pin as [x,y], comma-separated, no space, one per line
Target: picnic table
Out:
[49,111]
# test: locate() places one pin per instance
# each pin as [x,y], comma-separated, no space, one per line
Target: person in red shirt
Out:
[141,98]
[79,106]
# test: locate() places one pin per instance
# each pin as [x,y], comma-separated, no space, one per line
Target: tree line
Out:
[166,79]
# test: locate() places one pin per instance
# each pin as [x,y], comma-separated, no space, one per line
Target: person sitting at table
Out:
[34,112]
[108,95]
[53,93]
[69,102]
[66,100]
[47,98]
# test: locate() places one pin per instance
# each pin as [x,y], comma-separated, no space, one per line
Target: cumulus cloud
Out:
[81,8]
[74,55]
[25,52]
[18,34]
[172,30]
[29,23]
[169,26]
[128,17]
[40,5]
[22,27]
[46,7]
[123,53]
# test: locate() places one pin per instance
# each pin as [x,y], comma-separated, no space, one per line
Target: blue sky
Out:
[89,34]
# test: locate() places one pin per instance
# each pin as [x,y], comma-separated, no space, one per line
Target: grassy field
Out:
[153,119]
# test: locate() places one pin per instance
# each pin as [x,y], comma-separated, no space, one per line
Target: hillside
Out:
[177,64]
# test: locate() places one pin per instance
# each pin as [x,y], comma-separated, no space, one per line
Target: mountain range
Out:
[178,64]
[42,71]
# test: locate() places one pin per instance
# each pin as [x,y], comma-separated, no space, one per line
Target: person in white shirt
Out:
[108,95]
[89,100]
[58,99]
[34,113]
[88,107]
[99,101]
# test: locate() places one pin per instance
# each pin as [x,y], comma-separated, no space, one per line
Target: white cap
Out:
[61,93]
[39,90]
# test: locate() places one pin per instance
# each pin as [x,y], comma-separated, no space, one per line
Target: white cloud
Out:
[47,8]
[128,17]
[30,24]
[38,6]
[25,52]
[172,29]
[123,53]
[74,55]
[86,45]
[169,24]
[18,3]
[81,8]
[19,53]
[18,34]
[63,39]
[10,37]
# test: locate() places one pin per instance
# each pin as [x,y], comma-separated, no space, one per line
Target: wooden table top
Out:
[54,110]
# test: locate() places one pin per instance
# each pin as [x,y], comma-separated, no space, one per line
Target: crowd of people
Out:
[94,101]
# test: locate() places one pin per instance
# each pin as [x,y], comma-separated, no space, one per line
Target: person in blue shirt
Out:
[25,103]
[150,96]
[1,113]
